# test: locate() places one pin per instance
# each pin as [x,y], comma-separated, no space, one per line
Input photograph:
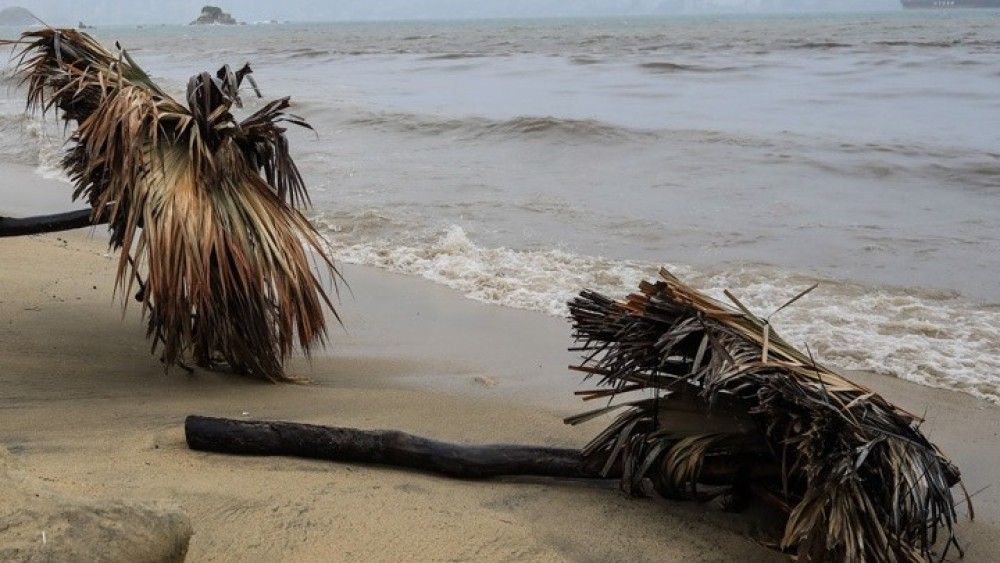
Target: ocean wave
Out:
[981,176]
[562,127]
[25,139]
[934,338]
[453,56]
[540,127]
[669,67]
[818,45]
[20,138]
[517,127]
[307,53]
[975,172]
[932,44]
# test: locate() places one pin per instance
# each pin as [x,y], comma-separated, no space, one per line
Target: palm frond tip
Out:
[202,205]
[857,478]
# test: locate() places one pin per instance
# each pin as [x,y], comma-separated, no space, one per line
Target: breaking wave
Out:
[34,142]
[20,139]
[934,338]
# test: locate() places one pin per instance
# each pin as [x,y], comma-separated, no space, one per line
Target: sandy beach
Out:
[86,411]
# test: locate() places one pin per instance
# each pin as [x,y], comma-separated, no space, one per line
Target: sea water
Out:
[519,161]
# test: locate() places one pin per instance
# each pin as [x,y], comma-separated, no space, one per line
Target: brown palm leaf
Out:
[202,205]
[857,478]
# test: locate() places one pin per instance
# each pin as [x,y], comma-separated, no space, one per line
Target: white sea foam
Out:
[49,153]
[539,281]
[934,338]
[28,140]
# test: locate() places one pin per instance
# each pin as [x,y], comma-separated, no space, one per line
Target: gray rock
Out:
[39,525]
[214,15]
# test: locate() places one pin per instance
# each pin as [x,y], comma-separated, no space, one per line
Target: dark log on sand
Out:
[399,449]
[15,227]
[383,447]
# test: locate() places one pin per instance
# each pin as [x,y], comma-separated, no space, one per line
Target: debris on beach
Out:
[203,207]
[854,474]
[727,412]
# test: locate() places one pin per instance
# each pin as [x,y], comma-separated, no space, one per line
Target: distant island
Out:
[213,15]
[16,15]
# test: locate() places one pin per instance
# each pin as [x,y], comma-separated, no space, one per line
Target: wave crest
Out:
[521,127]
[34,142]
[661,67]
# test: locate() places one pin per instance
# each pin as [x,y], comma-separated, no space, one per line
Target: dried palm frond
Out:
[202,205]
[857,478]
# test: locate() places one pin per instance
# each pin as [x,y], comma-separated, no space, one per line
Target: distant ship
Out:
[951,3]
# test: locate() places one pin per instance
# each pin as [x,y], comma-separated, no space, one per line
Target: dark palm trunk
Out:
[15,227]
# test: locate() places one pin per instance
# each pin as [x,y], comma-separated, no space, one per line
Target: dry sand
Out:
[85,409]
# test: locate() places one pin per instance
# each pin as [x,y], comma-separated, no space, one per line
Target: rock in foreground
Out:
[41,525]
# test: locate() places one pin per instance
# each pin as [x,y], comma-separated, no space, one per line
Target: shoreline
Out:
[932,336]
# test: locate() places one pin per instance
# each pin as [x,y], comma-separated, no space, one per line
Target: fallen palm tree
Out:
[857,478]
[201,206]
[735,414]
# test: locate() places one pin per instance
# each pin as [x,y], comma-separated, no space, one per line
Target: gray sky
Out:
[182,11]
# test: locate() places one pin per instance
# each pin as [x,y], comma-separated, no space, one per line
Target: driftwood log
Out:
[16,227]
[382,447]
[400,449]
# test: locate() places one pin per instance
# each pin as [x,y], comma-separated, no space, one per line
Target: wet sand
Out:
[87,410]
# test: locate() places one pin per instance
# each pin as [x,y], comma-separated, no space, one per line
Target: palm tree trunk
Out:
[399,449]
[15,227]
[383,447]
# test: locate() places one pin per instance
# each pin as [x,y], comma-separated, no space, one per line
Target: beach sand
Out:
[86,410]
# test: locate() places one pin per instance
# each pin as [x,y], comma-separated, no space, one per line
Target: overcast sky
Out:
[182,11]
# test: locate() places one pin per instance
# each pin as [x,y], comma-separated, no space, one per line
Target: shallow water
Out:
[518,161]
